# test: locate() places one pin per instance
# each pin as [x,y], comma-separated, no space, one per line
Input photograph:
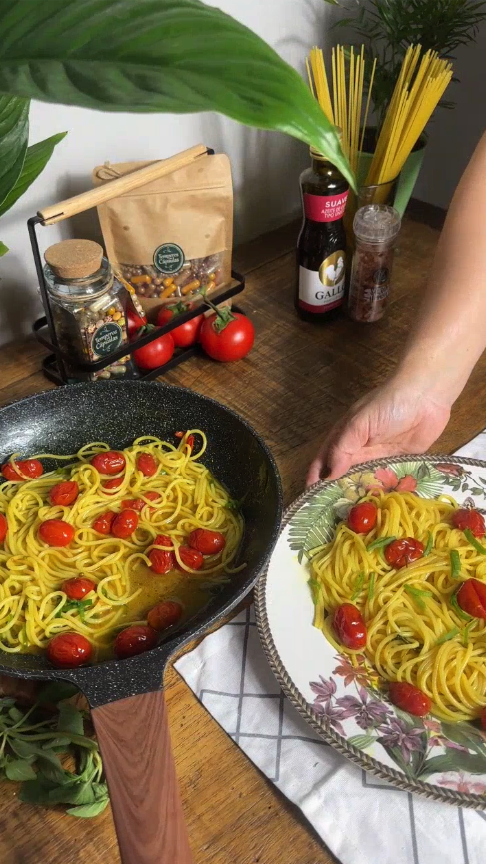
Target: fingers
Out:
[336,456]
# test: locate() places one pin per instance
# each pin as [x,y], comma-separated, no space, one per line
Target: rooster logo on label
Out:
[331,270]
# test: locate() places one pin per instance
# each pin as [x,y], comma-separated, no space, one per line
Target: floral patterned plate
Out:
[344,704]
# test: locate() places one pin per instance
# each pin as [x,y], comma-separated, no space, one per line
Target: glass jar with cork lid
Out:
[89,307]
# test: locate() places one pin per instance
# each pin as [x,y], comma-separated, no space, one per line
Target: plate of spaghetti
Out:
[372,614]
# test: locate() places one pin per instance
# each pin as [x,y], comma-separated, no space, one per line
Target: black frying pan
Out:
[125,695]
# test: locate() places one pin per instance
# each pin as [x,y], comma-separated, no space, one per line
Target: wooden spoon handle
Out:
[134,740]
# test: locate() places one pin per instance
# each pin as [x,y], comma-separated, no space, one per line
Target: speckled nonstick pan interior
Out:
[125,695]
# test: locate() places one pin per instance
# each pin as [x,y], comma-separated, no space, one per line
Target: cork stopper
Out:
[74,259]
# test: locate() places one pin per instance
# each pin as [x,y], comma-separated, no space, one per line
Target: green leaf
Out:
[80,793]
[59,742]
[3,249]
[50,768]
[24,749]
[15,714]
[36,159]
[176,56]
[362,741]
[33,792]
[466,735]
[14,131]
[56,691]
[70,719]
[20,770]
[87,811]
[313,524]
[437,765]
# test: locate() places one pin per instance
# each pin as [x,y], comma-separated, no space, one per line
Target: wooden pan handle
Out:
[134,740]
[86,200]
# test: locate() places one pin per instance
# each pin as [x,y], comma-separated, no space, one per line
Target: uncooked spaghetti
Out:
[176,497]
[417,630]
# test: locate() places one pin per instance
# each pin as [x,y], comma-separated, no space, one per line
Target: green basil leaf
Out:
[36,159]
[24,749]
[87,811]
[80,793]
[59,741]
[20,770]
[70,719]
[50,768]
[15,714]
[33,792]
[56,691]
[176,56]
[100,791]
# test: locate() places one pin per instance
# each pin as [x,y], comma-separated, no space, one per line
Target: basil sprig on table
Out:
[51,754]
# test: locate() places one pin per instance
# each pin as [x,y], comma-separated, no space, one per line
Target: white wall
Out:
[265,165]
[455,133]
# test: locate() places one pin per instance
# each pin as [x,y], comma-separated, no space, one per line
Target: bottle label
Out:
[106,339]
[322,290]
[325,208]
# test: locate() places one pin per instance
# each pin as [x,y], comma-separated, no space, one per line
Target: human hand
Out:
[392,420]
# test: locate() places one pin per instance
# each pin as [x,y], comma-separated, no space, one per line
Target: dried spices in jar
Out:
[89,308]
[376,227]
[171,238]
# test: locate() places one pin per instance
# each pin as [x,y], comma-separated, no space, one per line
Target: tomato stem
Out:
[224,316]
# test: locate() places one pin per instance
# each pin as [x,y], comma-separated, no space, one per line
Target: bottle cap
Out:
[377,223]
[74,259]
[315,153]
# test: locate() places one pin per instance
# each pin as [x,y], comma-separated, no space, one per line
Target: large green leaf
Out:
[36,159]
[313,524]
[14,131]
[157,55]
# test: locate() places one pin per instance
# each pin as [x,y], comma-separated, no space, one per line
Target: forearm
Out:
[450,334]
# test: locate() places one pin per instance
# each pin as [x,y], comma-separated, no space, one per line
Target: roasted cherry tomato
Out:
[362,517]
[77,587]
[162,560]
[471,597]
[147,464]
[349,626]
[134,640]
[56,532]
[483,719]
[409,698]
[164,615]
[400,553]
[110,463]
[472,519]
[27,469]
[156,353]
[112,484]
[124,524]
[3,527]
[192,558]
[104,521]
[206,541]
[186,334]
[227,336]
[67,650]
[133,504]
[64,494]
[151,496]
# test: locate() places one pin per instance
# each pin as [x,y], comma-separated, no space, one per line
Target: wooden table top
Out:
[297,380]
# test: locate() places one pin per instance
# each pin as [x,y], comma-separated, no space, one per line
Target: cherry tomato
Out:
[147,464]
[409,698]
[134,640]
[56,532]
[472,519]
[230,341]
[207,542]
[483,719]
[104,521]
[362,517]
[65,493]
[27,469]
[190,440]
[186,334]
[152,496]
[164,615]
[349,626]
[399,553]
[156,353]
[471,597]
[124,524]
[162,560]
[111,462]
[78,587]
[134,321]
[190,557]
[112,484]
[67,650]
[3,527]
[133,504]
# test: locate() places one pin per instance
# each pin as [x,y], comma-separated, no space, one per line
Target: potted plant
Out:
[175,56]
[388,28]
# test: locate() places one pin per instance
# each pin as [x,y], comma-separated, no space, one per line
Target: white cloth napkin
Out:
[361,819]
